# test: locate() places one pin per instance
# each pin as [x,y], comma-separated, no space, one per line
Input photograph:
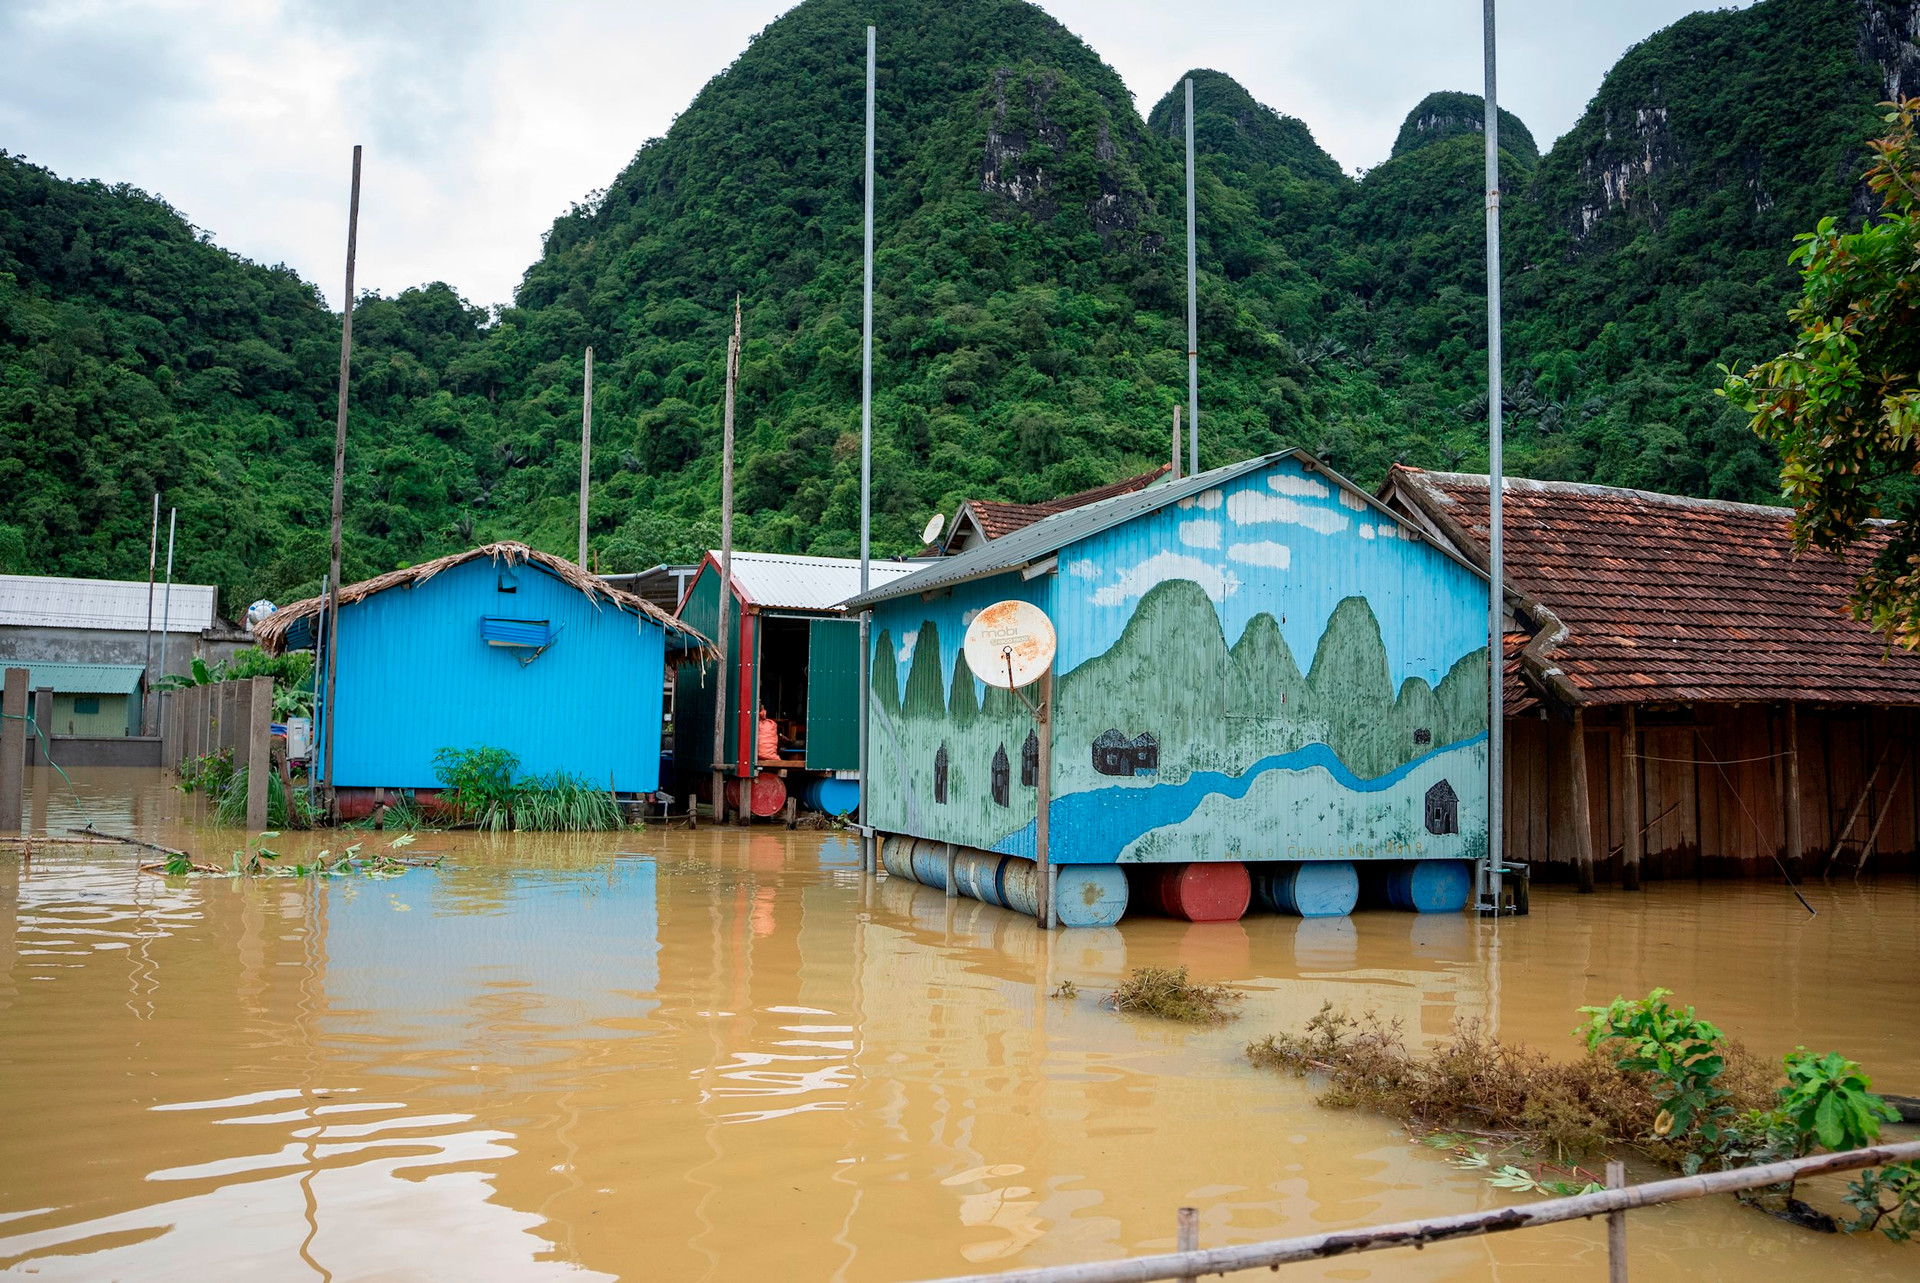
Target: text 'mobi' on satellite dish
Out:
[1009,644]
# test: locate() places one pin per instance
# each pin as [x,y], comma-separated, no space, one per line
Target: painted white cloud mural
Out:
[1348,499]
[1206,501]
[1217,582]
[1085,568]
[1200,534]
[1250,507]
[1308,487]
[907,642]
[1262,553]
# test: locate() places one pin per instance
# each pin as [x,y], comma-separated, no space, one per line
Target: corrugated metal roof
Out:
[1050,534]
[785,581]
[80,679]
[42,601]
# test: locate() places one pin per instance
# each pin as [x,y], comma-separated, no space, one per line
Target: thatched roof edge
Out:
[271,632]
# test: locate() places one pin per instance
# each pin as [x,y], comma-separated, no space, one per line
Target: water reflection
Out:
[725,1055]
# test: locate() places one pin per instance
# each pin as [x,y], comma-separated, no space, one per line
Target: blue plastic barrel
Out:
[1308,888]
[1430,886]
[896,855]
[930,864]
[824,793]
[1091,895]
[977,875]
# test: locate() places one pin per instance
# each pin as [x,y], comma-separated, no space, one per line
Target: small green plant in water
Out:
[209,773]
[1684,1054]
[1066,990]
[1168,993]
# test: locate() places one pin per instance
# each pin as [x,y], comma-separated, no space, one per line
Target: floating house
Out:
[1259,668]
[1686,695]
[797,654]
[502,646]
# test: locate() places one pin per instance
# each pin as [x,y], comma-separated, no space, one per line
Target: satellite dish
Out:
[1009,644]
[935,524]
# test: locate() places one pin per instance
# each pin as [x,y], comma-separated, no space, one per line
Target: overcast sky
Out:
[483,119]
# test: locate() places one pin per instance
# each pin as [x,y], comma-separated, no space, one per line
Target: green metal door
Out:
[833,695]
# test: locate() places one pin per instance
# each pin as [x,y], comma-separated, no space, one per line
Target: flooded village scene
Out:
[1045,642]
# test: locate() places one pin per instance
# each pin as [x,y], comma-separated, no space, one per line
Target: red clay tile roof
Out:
[1673,599]
[996,519]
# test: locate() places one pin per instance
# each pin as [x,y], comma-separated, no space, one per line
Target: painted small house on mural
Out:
[501,646]
[1258,663]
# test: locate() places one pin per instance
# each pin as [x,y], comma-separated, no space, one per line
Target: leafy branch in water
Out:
[1654,1077]
[1168,993]
[257,859]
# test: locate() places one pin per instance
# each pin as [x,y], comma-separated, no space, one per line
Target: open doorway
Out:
[783,682]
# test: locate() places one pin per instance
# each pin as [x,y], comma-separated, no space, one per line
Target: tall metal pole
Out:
[1496,484]
[586,455]
[866,464]
[720,764]
[166,618]
[153,555]
[1193,310]
[340,472]
[1175,474]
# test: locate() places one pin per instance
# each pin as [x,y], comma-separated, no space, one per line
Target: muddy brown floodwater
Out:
[721,1055]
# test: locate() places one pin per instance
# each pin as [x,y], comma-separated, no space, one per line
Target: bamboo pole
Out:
[1441,1229]
[340,473]
[1853,812]
[1579,805]
[1873,836]
[1616,1227]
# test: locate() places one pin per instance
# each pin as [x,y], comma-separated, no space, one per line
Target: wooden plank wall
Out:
[1714,790]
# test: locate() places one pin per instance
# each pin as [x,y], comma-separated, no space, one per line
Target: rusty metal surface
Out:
[1675,599]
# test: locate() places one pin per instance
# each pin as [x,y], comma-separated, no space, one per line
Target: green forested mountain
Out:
[1029,318]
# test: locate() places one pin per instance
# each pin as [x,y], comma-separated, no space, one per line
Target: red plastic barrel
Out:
[1197,892]
[768,796]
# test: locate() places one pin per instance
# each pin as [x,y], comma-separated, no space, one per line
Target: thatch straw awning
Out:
[292,627]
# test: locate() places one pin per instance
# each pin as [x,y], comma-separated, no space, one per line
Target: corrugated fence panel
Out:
[416,676]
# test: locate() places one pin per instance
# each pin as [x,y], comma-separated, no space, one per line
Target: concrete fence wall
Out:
[236,716]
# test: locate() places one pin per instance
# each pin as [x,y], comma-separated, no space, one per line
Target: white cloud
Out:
[1200,534]
[1083,568]
[1263,553]
[1208,500]
[967,617]
[1348,499]
[1366,531]
[909,640]
[1216,582]
[1250,506]
[1387,529]
[1286,482]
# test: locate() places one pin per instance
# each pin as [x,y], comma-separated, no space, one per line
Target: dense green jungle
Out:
[1029,311]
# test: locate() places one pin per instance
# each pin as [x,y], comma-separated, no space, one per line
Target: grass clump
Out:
[1168,993]
[480,790]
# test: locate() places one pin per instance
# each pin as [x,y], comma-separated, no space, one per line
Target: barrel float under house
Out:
[501,646]
[1259,668]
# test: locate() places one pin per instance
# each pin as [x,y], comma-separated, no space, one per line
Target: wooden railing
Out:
[1612,1203]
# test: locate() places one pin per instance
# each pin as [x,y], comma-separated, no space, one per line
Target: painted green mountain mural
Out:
[1029,320]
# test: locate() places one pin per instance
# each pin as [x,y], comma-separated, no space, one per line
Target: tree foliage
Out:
[1029,315]
[1842,404]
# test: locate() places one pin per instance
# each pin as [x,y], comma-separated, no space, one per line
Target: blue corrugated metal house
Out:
[1257,663]
[503,646]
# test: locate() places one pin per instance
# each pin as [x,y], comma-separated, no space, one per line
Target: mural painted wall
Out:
[1188,728]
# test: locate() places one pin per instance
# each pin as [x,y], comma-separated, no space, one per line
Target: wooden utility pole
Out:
[1796,831]
[340,475]
[586,456]
[1635,843]
[726,577]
